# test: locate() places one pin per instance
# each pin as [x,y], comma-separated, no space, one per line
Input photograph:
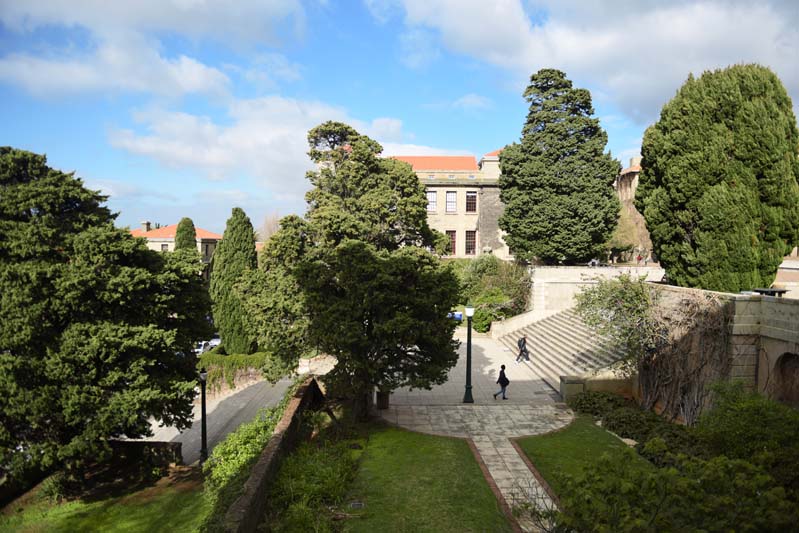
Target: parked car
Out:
[202,347]
[215,341]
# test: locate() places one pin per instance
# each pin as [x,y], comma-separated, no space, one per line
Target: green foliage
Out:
[233,258]
[353,279]
[498,289]
[621,309]
[229,464]
[631,422]
[625,236]
[746,425]
[557,183]
[597,403]
[98,330]
[185,235]
[383,314]
[224,368]
[717,495]
[718,188]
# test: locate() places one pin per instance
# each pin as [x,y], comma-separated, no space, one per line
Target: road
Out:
[224,416]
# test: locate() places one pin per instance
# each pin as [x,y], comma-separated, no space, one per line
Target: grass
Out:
[570,451]
[414,482]
[170,505]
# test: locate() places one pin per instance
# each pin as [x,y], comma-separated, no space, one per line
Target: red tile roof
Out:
[168,232]
[495,153]
[439,162]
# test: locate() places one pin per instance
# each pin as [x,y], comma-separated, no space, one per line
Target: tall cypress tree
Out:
[185,235]
[557,184]
[718,187]
[234,256]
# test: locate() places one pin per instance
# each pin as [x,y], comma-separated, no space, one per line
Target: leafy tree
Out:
[557,184]
[233,257]
[185,235]
[718,188]
[625,236]
[98,330]
[355,278]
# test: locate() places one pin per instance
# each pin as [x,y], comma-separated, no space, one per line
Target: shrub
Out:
[746,425]
[667,440]
[597,404]
[717,495]
[631,422]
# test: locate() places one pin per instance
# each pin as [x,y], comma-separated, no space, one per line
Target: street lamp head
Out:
[203,374]
[469,311]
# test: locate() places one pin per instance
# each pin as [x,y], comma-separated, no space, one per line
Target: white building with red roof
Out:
[463,201]
[162,239]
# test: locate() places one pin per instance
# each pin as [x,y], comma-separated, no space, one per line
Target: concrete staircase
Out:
[561,345]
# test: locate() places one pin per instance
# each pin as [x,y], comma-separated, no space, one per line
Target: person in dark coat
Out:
[523,354]
[503,382]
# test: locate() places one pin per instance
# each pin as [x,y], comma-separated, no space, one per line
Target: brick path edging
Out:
[506,509]
[246,512]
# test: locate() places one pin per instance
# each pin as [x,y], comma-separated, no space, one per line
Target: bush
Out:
[631,422]
[717,495]
[746,425]
[667,440]
[597,404]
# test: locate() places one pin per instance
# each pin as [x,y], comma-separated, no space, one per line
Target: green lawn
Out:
[167,506]
[413,482]
[572,449]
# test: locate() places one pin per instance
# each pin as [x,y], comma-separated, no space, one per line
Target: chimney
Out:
[145,225]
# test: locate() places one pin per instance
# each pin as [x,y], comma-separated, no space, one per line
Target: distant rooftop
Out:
[168,232]
[439,162]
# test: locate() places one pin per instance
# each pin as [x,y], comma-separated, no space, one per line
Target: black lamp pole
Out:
[467,395]
[204,437]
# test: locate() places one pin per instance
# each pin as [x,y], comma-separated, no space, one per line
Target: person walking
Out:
[503,382]
[522,345]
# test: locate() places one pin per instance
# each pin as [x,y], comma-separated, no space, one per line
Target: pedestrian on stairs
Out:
[522,345]
[503,382]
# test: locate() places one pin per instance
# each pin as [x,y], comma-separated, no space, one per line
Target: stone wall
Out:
[247,511]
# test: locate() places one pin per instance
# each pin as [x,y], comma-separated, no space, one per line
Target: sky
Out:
[180,108]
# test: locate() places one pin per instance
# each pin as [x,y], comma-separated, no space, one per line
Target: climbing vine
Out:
[676,342]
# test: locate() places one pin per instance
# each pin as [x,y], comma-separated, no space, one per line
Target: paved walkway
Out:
[532,408]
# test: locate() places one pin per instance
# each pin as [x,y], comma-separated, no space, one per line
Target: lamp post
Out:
[204,435]
[467,395]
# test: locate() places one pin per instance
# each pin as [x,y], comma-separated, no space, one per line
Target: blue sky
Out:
[191,107]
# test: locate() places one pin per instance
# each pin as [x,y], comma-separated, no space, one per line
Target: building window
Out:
[432,203]
[471,201]
[431,176]
[471,242]
[452,201]
[206,250]
[451,235]
[164,247]
[471,176]
[451,176]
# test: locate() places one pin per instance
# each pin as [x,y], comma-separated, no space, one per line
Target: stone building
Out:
[625,186]
[463,201]
[162,239]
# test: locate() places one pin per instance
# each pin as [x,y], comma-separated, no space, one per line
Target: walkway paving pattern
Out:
[532,408]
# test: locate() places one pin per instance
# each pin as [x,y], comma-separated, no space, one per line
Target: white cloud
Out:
[472,101]
[119,55]
[242,21]
[126,62]
[636,54]
[264,139]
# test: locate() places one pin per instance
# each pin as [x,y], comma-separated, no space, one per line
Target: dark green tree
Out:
[233,257]
[97,331]
[353,279]
[557,183]
[718,188]
[185,235]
